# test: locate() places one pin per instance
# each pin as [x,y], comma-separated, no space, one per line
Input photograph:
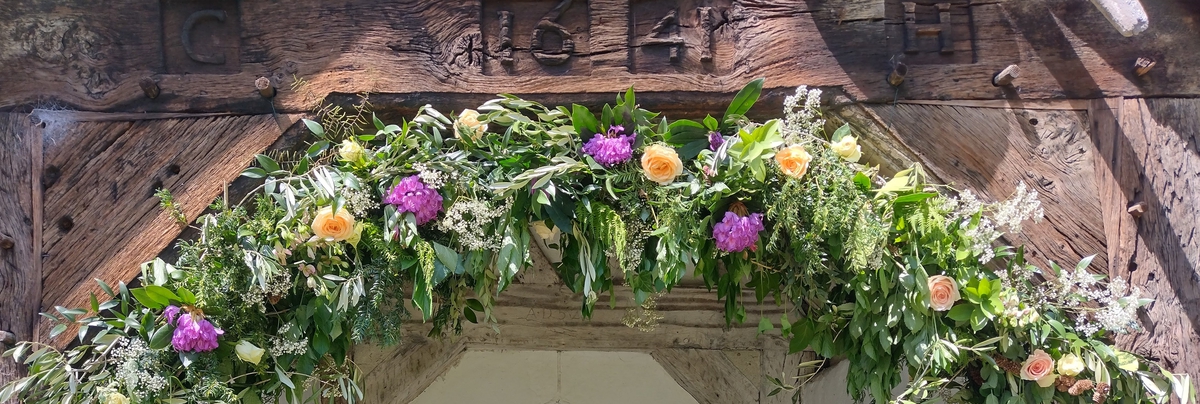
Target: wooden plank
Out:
[102,220]
[20,279]
[707,375]
[1166,264]
[777,363]
[990,150]
[403,375]
[77,54]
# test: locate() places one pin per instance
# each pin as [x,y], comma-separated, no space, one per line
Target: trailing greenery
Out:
[432,218]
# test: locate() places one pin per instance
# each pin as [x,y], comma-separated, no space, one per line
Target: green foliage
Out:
[323,256]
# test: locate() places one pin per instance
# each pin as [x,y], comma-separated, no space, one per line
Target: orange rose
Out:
[943,292]
[333,227]
[661,164]
[1037,366]
[793,160]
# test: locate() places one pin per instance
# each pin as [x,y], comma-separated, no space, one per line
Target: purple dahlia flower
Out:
[738,233]
[193,333]
[611,148]
[715,140]
[411,195]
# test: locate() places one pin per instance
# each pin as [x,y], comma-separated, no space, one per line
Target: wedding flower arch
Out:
[340,244]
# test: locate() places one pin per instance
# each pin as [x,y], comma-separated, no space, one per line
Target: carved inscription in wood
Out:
[536,37]
[201,36]
[684,36]
[932,31]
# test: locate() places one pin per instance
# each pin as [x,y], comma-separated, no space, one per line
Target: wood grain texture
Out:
[1164,259]
[102,220]
[20,279]
[990,150]
[707,375]
[401,374]
[77,55]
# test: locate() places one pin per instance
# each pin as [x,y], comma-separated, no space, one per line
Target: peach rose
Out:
[469,119]
[793,160]
[329,226]
[661,164]
[1037,366]
[943,292]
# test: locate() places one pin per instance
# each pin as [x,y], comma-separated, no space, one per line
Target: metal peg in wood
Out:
[265,89]
[1143,66]
[1137,210]
[149,87]
[8,338]
[1006,76]
[897,76]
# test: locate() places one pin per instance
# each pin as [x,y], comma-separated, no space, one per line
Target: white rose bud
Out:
[351,151]
[1070,365]
[248,352]
[848,148]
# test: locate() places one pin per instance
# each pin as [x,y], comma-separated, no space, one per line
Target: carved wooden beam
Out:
[103,220]
[207,56]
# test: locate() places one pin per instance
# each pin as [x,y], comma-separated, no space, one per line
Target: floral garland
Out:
[435,216]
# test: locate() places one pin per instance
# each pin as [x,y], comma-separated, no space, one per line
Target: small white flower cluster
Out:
[359,201]
[286,346]
[1116,303]
[279,285]
[432,178]
[137,367]
[1024,205]
[998,217]
[470,219]
[802,114]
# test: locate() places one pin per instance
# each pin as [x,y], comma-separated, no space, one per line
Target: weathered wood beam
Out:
[408,370]
[990,150]
[707,375]
[1152,153]
[20,274]
[428,46]
[100,176]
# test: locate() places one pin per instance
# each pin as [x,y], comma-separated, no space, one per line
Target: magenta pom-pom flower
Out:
[193,333]
[411,195]
[738,233]
[611,148]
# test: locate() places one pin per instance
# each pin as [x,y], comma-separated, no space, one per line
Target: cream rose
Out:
[351,150]
[469,120]
[793,160]
[661,164]
[943,292]
[115,398]
[1070,365]
[329,226]
[1037,366]
[848,148]
[249,352]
